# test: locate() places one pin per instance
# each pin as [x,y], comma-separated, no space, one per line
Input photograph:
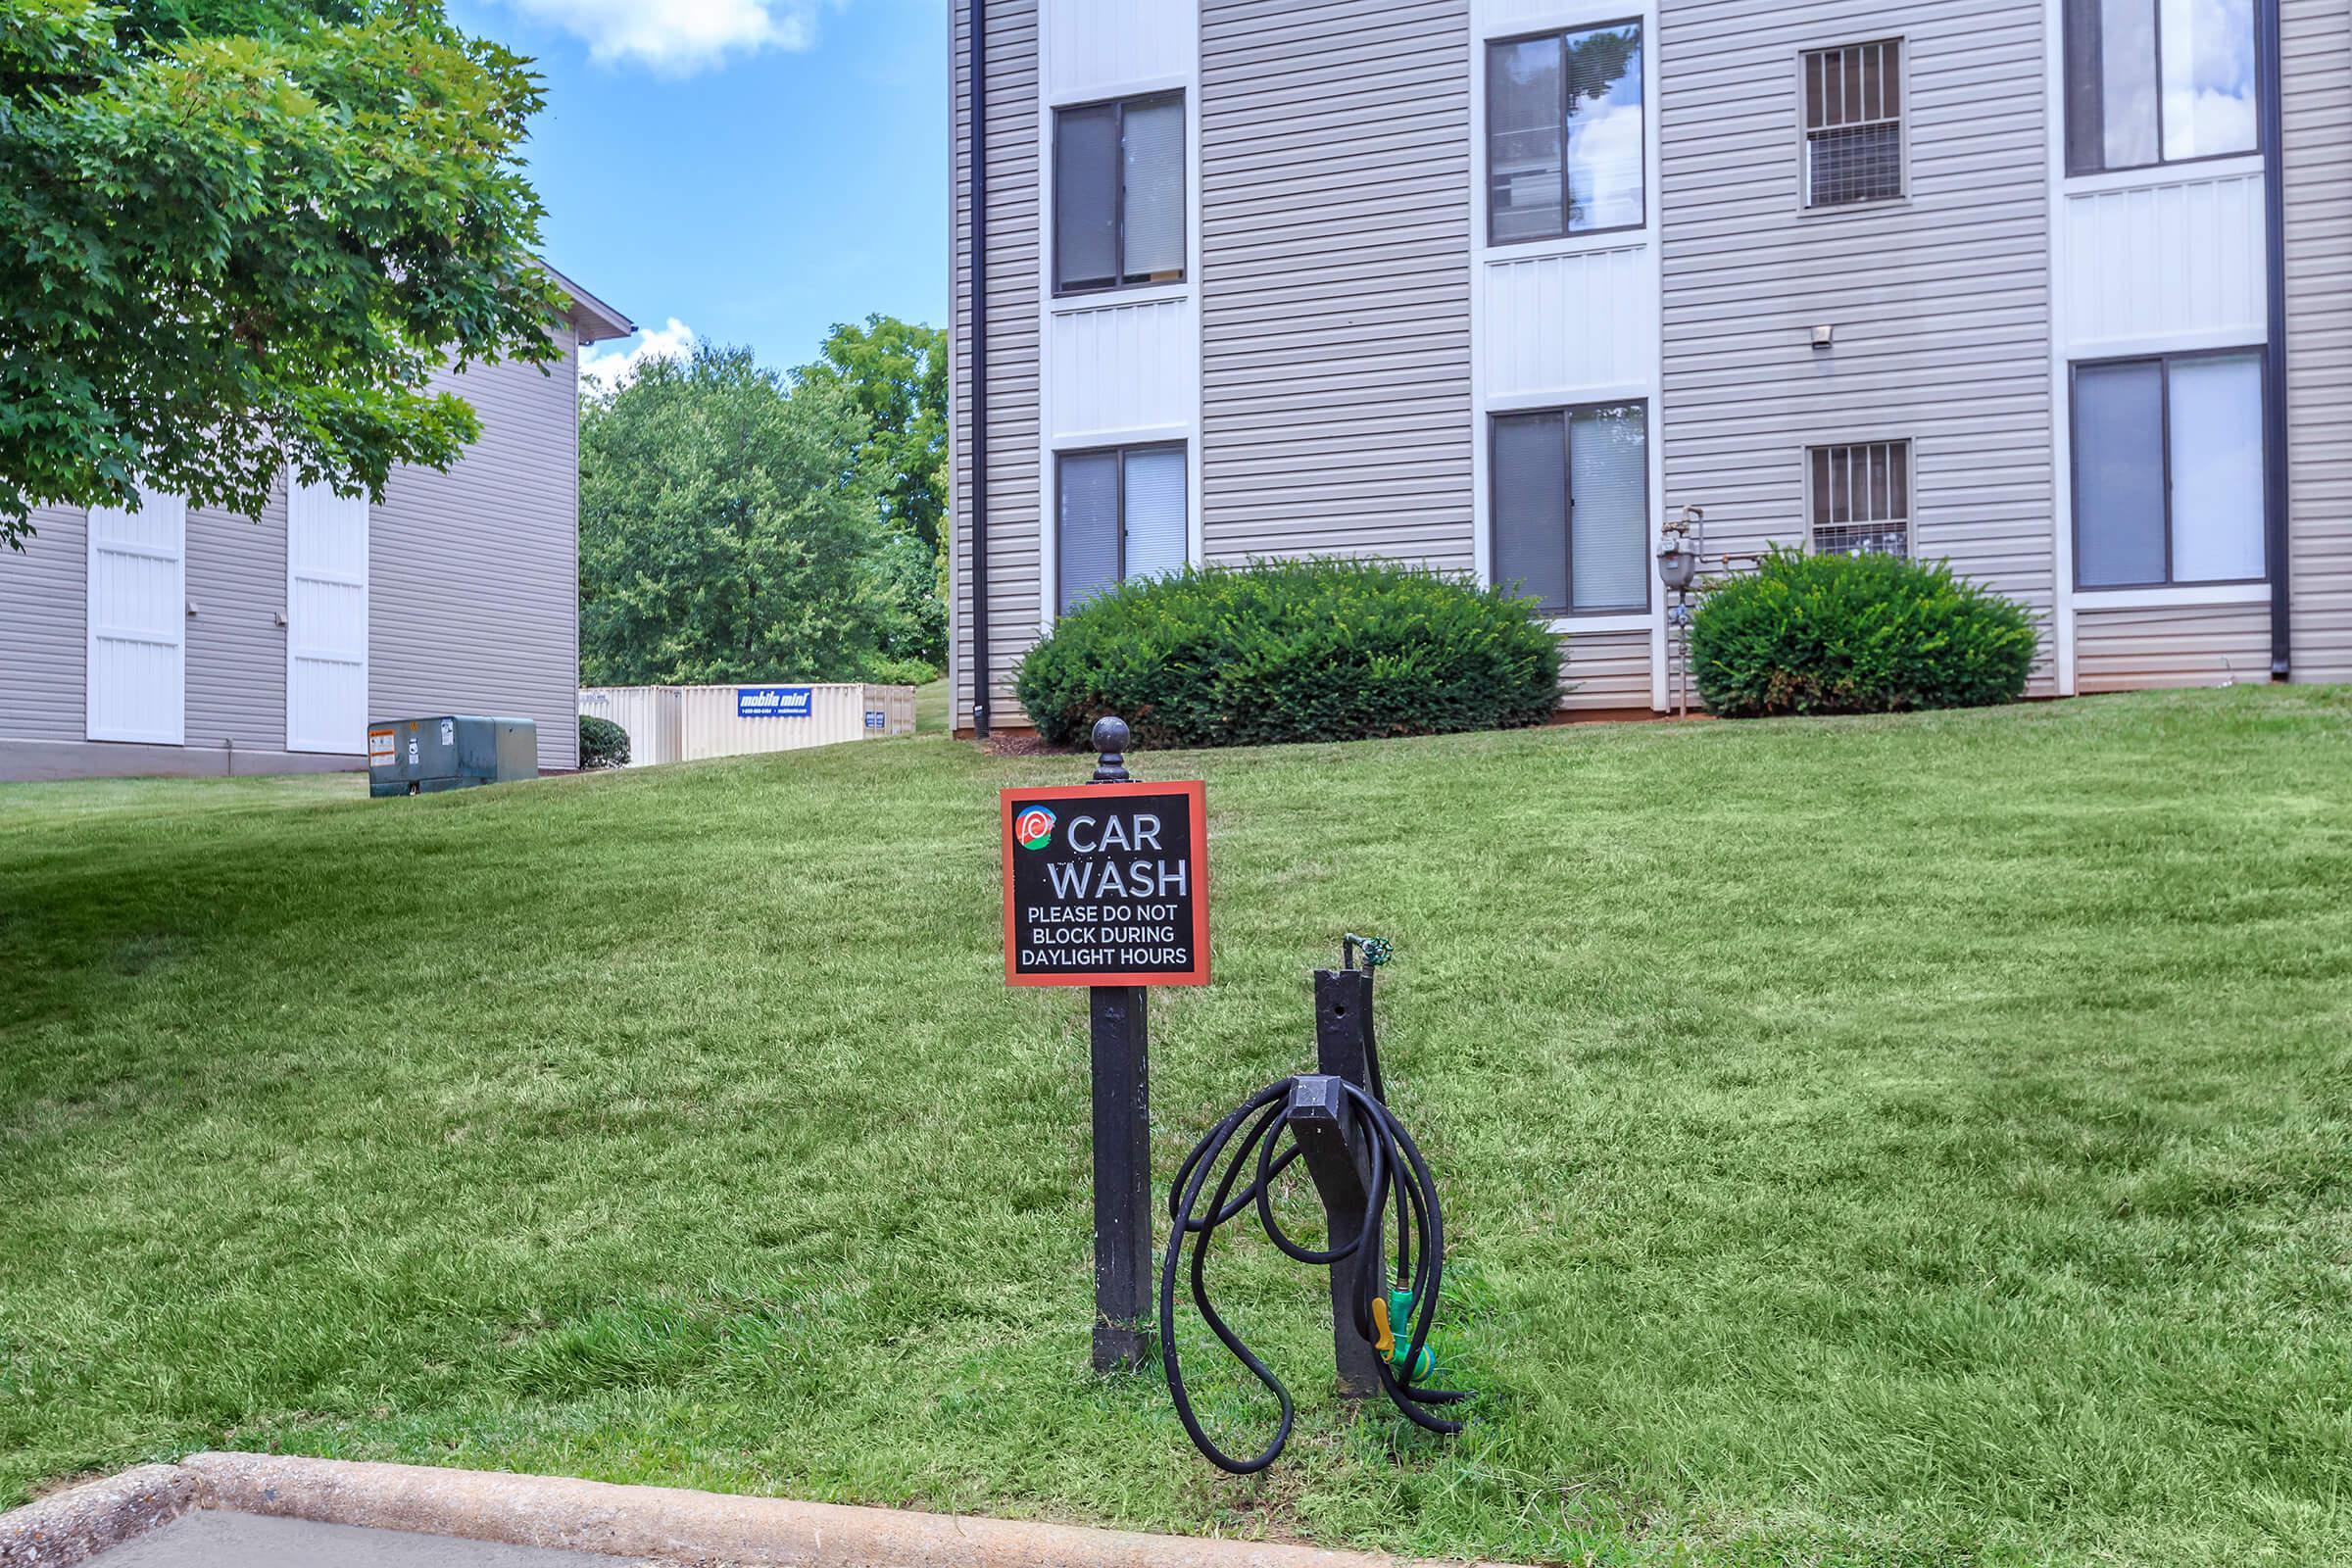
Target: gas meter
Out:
[1681,543]
[1678,550]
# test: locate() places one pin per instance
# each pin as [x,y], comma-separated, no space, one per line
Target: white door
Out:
[327,621]
[137,674]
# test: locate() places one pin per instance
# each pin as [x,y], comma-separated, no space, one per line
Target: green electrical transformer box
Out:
[423,755]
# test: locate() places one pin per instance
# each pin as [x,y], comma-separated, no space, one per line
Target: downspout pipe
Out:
[2271,114]
[979,359]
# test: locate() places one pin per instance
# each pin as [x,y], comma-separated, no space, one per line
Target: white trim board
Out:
[135,622]
[327,610]
[1104,22]
[1506,18]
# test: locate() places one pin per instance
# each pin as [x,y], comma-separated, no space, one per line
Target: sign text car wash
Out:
[1104,885]
[1107,887]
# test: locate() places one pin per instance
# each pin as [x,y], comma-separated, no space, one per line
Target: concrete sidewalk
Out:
[231,1510]
[240,1540]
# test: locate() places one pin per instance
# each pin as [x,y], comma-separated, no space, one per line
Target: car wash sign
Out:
[1106,885]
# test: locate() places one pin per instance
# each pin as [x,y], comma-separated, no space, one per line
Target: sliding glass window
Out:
[1121,516]
[2158,81]
[1564,133]
[2169,471]
[1119,193]
[1570,508]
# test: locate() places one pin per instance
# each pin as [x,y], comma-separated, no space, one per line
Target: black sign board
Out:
[1106,885]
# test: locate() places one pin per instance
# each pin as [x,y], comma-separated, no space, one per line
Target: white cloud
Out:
[609,364]
[677,37]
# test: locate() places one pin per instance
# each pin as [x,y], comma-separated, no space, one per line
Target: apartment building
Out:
[180,640]
[2060,291]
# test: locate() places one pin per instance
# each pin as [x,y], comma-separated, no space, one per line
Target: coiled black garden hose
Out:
[1395,1166]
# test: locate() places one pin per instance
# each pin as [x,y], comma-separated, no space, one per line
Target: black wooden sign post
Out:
[1106,886]
[1120,1018]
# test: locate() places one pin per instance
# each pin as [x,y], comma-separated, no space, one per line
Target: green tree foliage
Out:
[906,574]
[240,236]
[897,374]
[727,530]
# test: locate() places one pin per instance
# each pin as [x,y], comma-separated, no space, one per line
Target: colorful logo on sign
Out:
[1033,829]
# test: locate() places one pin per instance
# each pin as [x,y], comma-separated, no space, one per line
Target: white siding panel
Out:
[1502,17]
[2316,59]
[1121,369]
[1559,325]
[1096,47]
[2181,258]
[137,670]
[327,621]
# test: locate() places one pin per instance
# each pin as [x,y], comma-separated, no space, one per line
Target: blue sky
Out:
[752,169]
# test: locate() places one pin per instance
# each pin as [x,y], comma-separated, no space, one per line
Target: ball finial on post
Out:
[1110,741]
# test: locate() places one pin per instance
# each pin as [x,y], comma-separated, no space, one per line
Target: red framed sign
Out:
[1106,885]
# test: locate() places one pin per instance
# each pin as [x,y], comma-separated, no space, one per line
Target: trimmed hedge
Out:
[1291,651]
[901,673]
[1856,634]
[603,743]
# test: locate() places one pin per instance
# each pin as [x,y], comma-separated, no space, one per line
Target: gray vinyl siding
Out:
[1941,303]
[236,652]
[44,630]
[1606,671]
[473,591]
[1335,289]
[236,579]
[473,602]
[1013,225]
[2178,645]
[2315,64]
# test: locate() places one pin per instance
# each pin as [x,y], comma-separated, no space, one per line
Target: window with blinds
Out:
[1860,498]
[1119,515]
[1570,506]
[2169,471]
[1119,193]
[1853,103]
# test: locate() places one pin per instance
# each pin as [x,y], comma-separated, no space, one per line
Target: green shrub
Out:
[1291,651]
[887,672]
[603,743]
[1856,634]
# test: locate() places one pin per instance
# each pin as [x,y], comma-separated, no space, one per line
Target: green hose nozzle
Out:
[1390,1316]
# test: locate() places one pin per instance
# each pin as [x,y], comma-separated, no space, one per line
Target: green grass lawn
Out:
[933,707]
[1907,1140]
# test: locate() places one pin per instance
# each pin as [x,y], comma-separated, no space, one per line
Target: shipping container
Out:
[680,723]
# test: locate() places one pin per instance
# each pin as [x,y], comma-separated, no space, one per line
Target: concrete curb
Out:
[696,1529]
[74,1525]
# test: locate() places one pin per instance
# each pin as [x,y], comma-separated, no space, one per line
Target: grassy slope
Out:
[933,707]
[1870,1140]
